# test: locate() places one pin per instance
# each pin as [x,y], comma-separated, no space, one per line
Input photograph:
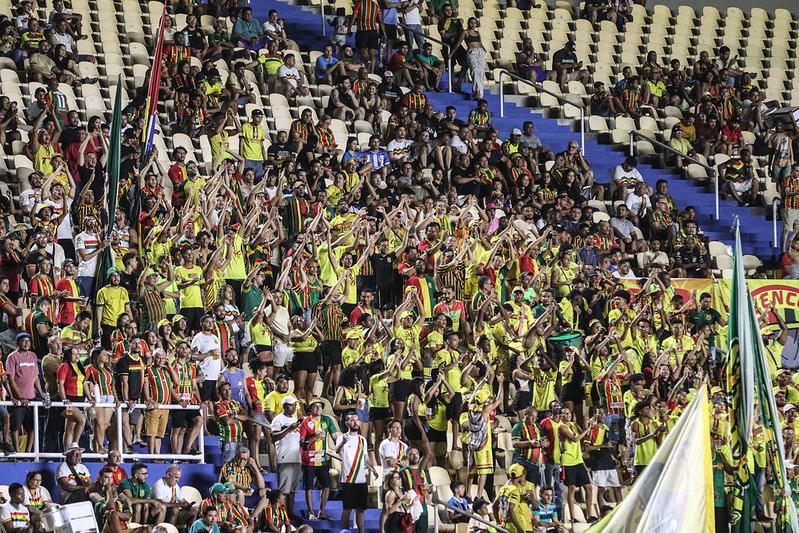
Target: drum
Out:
[559,344]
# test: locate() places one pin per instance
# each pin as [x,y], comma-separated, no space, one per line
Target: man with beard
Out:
[352,448]
[281,150]
[128,237]
[130,380]
[112,300]
[417,479]
[207,351]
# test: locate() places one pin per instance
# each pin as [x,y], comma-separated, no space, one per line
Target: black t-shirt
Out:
[459,172]
[135,372]
[280,152]
[686,257]
[392,195]
[196,38]
[68,136]
[430,124]
[445,121]
[565,58]
[392,93]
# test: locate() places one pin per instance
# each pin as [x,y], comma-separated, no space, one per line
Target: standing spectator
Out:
[112,300]
[73,477]
[207,350]
[230,416]
[789,190]
[528,445]
[22,368]
[781,158]
[286,436]
[368,17]
[252,138]
[315,465]
[416,478]
[186,373]
[159,390]
[70,377]
[167,491]
[352,447]
[88,245]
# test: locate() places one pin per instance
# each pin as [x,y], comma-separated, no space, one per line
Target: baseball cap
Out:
[112,270]
[677,128]
[23,335]
[289,400]
[354,334]
[515,131]
[316,400]
[257,112]
[388,74]
[297,184]
[570,45]
[518,288]
[68,262]
[516,470]
[281,377]
[164,322]
[481,397]
[406,314]
[217,488]
[767,330]
[788,407]
[178,318]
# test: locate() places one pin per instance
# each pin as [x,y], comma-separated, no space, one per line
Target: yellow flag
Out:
[675,492]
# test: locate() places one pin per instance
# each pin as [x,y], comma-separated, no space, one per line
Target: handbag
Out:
[399,522]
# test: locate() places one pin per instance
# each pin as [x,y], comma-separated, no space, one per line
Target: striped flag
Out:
[749,386]
[112,181]
[151,109]
[675,492]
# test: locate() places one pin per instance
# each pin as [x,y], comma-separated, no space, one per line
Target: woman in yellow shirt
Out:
[305,340]
[380,377]
[575,474]
[401,388]
[563,273]
[646,436]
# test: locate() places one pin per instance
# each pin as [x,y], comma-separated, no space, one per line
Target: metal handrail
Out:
[324,20]
[715,173]
[774,203]
[540,88]
[37,454]
[437,501]
[443,44]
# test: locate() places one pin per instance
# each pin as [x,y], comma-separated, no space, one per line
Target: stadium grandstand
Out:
[392,266]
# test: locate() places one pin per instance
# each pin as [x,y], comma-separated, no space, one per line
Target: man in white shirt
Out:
[352,447]
[625,231]
[167,491]
[32,195]
[88,247]
[15,515]
[72,476]
[286,436]
[638,203]
[624,271]
[624,177]
[399,148]
[207,351]
[392,450]
[280,326]
[462,141]
[290,80]
[412,20]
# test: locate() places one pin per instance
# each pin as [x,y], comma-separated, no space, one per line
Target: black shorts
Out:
[208,390]
[454,407]
[575,475]
[391,31]
[368,38]
[21,417]
[412,430]
[331,353]
[192,316]
[522,400]
[399,390]
[354,495]
[321,473]
[379,413]
[308,361]
[533,472]
[184,418]
[435,435]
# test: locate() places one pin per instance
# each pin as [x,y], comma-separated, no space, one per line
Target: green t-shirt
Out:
[251,297]
[430,60]
[709,317]
[139,492]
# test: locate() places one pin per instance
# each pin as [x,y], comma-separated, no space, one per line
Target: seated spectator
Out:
[689,261]
[15,515]
[708,135]
[72,476]
[625,231]
[275,29]
[247,31]
[653,92]
[681,145]
[239,87]
[344,104]
[530,65]
[602,103]
[624,178]
[208,522]
[568,68]
[638,202]
[739,179]
[290,81]
[732,141]
[326,66]
[37,497]
[404,71]
[145,509]
[631,100]
[599,10]
[167,491]
[432,68]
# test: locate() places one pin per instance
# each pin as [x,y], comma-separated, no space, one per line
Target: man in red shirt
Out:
[454,309]
[432,243]
[68,295]
[177,173]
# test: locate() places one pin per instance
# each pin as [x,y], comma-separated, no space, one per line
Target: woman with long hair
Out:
[417,425]
[393,504]
[574,471]
[646,434]
[348,392]
[100,386]
[380,377]
[227,296]
[70,377]
[305,341]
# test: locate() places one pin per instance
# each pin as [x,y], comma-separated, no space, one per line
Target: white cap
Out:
[788,407]
[515,131]
[289,400]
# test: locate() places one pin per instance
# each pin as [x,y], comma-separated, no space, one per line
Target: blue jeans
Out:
[615,424]
[229,449]
[552,479]
[85,285]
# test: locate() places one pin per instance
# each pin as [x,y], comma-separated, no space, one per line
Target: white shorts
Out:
[744,186]
[283,354]
[605,478]
[572,76]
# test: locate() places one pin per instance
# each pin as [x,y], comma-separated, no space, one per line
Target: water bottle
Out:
[383,53]
[186,39]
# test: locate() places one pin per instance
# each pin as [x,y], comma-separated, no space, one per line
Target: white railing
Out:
[540,88]
[443,45]
[774,203]
[714,172]
[37,454]
[324,20]
[437,502]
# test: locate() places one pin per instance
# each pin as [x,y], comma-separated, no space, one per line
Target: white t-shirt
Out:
[211,366]
[393,450]
[287,448]
[88,242]
[28,197]
[459,145]
[164,493]
[43,496]
[65,39]
[65,228]
[353,454]
[19,516]
[619,174]
[399,146]
[64,471]
[280,324]
[625,227]
[274,28]
[412,17]
[288,75]
[634,203]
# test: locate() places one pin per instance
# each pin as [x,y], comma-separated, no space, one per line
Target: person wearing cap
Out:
[513,502]
[72,476]
[681,145]
[69,301]
[314,430]
[111,301]
[286,436]
[251,143]
[565,62]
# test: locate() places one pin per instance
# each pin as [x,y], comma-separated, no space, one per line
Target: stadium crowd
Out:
[339,308]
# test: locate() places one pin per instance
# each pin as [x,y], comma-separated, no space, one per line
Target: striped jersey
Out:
[229,432]
[790,184]
[152,306]
[232,472]
[186,372]
[102,378]
[366,15]
[330,318]
[159,383]
[479,118]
